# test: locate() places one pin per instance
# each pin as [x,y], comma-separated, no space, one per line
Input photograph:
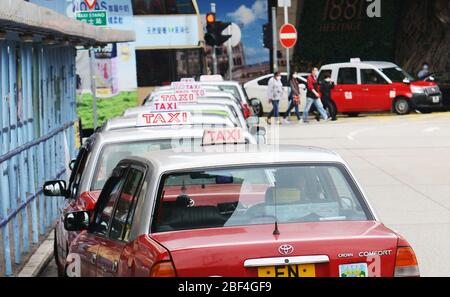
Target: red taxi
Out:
[254,211]
[378,86]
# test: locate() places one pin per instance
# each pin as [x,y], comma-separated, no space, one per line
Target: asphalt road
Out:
[403,164]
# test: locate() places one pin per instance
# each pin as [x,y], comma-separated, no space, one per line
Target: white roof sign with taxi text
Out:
[164,118]
[223,136]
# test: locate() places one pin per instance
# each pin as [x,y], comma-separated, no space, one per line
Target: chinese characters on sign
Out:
[96,18]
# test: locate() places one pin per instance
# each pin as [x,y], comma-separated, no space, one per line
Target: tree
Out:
[424,35]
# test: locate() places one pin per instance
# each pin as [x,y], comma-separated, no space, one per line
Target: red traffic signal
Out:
[210,18]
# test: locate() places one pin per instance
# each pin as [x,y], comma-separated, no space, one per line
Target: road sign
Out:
[288,35]
[90,3]
[235,33]
[96,17]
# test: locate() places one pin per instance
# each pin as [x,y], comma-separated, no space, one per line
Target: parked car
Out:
[257,89]
[378,86]
[100,154]
[240,211]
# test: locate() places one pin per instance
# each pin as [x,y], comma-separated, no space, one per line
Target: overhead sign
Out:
[166,31]
[223,136]
[288,35]
[95,17]
[164,118]
[182,97]
[90,3]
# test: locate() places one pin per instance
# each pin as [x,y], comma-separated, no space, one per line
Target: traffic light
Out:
[267,36]
[214,30]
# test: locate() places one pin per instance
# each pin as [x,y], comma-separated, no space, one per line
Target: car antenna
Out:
[276,231]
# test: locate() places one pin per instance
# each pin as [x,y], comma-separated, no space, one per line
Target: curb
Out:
[40,258]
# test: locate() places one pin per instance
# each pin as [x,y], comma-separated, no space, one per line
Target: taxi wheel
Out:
[55,253]
[258,110]
[402,106]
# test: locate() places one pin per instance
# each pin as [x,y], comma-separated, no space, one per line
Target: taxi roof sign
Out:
[179,97]
[163,118]
[223,136]
[211,78]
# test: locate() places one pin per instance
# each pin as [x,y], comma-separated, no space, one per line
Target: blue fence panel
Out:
[36,140]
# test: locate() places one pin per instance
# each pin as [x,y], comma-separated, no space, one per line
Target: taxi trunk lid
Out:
[321,248]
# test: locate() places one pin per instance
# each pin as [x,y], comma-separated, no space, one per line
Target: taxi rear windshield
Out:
[252,196]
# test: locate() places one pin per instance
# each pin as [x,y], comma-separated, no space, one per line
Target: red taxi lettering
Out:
[164,118]
[164,106]
[226,135]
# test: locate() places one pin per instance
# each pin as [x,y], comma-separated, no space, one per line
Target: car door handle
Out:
[93,259]
[115,266]
[365,89]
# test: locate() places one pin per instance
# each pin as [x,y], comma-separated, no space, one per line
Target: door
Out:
[375,91]
[102,220]
[347,92]
[111,246]
[259,91]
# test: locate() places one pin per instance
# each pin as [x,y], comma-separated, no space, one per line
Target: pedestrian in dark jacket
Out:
[326,85]
[294,97]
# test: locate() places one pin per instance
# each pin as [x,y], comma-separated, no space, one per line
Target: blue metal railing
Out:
[37,109]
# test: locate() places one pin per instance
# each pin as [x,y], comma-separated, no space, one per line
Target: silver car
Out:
[97,158]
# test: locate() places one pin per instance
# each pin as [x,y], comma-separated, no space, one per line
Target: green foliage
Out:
[106,108]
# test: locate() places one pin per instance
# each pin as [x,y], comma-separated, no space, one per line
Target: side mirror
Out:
[406,81]
[55,188]
[253,120]
[430,78]
[255,102]
[77,221]
[72,164]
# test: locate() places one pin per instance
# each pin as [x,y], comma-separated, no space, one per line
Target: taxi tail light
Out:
[246,108]
[406,263]
[163,269]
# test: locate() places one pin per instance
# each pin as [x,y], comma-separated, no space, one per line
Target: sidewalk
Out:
[40,258]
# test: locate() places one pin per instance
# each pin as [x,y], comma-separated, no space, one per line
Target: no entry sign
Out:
[288,36]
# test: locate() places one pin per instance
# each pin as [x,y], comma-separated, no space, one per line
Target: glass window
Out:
[347,76]
[264,81]
[371,77]
[397,74]
[152,7]
[112,154]
[77,173]
[121,223]
[323,73]
[232,90]
[258,195]
[106,207]
[161,67]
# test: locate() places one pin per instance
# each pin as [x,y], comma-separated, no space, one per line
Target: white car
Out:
[257,88]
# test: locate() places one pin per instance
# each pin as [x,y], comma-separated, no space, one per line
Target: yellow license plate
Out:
[303,270]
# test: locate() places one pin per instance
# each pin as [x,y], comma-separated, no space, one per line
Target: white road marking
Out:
[351,136]
[431,130]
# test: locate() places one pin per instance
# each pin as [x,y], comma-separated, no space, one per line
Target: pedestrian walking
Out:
[326,85]
[294,97]
[313,96]
[274,94]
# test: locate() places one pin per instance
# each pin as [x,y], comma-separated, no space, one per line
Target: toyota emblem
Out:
[286,249]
